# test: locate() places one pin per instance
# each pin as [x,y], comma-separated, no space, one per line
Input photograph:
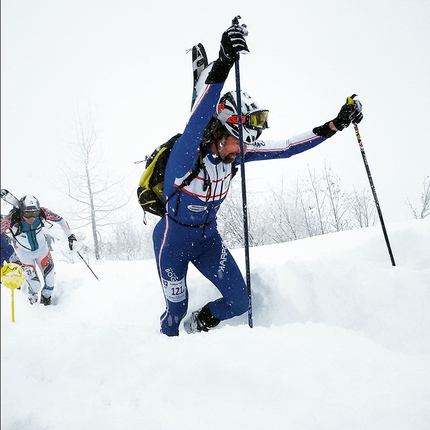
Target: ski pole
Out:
[87,265]
[375,197]
[242,171]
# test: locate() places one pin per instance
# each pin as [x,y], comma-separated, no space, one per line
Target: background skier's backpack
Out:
[150,190]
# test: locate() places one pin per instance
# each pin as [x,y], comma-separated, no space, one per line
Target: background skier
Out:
[25,224]
[188,232]
[8,254]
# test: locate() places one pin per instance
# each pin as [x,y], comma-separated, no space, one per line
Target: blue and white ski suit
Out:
[7,252]
[189,231]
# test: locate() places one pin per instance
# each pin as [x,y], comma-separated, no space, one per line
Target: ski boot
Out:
[201,320]
[45,300]
[32,298]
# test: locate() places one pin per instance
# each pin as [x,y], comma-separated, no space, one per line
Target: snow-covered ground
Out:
[341,340]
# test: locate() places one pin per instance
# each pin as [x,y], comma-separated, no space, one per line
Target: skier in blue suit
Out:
[7,252]
[188,232]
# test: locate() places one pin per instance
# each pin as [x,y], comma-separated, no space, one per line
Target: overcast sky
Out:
[124,63]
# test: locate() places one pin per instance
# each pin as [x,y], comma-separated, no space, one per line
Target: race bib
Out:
[174,291]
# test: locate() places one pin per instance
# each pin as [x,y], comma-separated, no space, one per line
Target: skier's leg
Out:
[172,257]
[46,265]
[217,264]
[33,282]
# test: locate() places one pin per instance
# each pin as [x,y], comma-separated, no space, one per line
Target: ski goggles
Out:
[31,214]
[256,120]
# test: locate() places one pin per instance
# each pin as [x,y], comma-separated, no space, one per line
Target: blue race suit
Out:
[7,251]
[188,233]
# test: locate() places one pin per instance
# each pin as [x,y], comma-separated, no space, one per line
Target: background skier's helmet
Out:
[29,206]
[254,120]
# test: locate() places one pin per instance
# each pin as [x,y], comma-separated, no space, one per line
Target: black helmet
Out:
[29,206]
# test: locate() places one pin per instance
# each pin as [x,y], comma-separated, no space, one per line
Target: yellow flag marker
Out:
[12,276]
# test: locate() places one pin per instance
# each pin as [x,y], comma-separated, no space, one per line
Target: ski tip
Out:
[8,197]
[199,55]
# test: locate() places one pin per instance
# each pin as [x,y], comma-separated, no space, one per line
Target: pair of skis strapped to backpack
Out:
[151,184]
[8,197]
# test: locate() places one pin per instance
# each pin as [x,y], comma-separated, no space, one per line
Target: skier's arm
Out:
[351,111]
[187,148]
[5,223]
[53,217]
[268,150]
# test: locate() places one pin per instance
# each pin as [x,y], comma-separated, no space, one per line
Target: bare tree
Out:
[317,193]
[309,207]
[97,195]
[231,224]
[311,198]
[425,201]
[131,240]
[362,208]
[336,199]
[231,220]
[283,214]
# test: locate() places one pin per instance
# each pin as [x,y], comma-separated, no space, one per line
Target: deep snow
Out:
[341,340]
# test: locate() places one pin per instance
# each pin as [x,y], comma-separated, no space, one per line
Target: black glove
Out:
[232,44]
[349,112]
[71,239]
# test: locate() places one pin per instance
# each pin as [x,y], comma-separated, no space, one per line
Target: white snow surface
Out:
[341,340]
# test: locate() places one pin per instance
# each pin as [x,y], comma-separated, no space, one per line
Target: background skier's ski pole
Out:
[87,265]
[375,197]
[242,171]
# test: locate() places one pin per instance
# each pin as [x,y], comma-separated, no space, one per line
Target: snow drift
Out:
[340,341]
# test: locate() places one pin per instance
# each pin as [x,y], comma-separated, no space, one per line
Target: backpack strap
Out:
[187,181]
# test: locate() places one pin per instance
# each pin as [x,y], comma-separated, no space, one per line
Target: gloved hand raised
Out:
[349,112]
[71,239]
[233,43]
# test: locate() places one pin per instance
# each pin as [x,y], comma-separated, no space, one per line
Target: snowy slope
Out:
[341,340]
